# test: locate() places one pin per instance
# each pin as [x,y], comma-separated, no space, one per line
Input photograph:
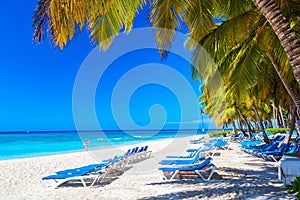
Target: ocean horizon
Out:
[23,144]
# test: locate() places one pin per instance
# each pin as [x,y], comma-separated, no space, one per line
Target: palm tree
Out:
[238,58]
[288,39]
[104,19]
[242,58]
[261,35]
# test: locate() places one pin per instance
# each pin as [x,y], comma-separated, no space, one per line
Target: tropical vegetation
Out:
[276,130]
[217,134]
[294,188]
[253,74]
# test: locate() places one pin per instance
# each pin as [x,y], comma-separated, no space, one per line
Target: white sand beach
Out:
[241,176]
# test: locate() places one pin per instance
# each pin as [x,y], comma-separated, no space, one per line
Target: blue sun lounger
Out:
[91,172]
[138,154]
[221,144]
[169,173]
[278,153]
[183,161]
[191,152]
[257,149]
[195,141]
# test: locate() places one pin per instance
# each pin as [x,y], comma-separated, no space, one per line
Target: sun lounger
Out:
[169,173]
[183,161]
[140,154]
[145,153]
[276,154]
[136,154]
[191,153]
[206,146]
[196,141]
[278,138]
[221,144]
[250,143]
[293,150]
[86,174]
[267,147]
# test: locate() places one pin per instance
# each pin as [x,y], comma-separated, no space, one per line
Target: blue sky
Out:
[36,81]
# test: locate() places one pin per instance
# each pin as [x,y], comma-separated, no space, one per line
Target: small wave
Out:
[117,138]
[137,136]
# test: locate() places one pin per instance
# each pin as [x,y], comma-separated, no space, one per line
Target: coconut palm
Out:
[241,56]
[271,11]
[103,19]
[238,58]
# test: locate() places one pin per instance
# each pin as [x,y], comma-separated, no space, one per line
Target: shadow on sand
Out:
[236,184]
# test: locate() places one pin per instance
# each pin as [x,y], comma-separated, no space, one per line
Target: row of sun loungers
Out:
[286,154]
[193,162]
[273,151]
[91,174]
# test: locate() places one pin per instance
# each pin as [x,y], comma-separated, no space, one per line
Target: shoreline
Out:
[42,154]
[240,176]
[80,147]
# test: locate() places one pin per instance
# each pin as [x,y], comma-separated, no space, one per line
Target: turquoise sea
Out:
[37,143]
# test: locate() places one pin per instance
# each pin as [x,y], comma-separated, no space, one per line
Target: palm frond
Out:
[40,19]
[104,26]
[230,33]
[229,9]
[63,19]
[199,19]
[165,16]
[132,8]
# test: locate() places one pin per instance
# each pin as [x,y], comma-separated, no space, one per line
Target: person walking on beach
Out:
[86,144]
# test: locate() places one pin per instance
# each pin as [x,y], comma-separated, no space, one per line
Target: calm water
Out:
[28,144]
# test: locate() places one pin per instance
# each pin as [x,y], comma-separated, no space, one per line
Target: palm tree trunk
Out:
[287,37]
[262,129]
[292,125]
[225,126]
[270,122]
[240,125]
[274,114]
[293,94]
[244,119]
[233,125]
[281,116]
